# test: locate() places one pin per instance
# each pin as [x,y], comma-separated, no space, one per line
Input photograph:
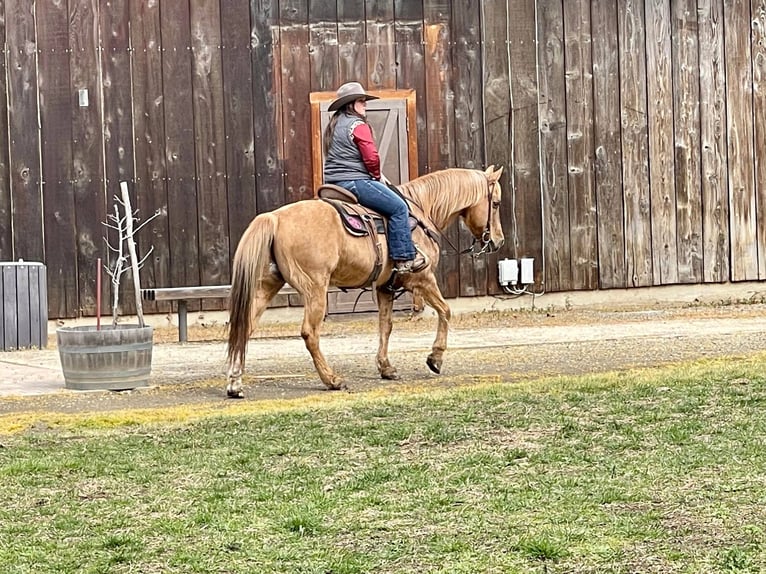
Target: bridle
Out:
[486,236]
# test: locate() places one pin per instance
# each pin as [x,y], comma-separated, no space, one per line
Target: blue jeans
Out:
[377,196]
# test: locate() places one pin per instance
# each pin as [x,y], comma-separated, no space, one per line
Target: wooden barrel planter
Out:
[113,358]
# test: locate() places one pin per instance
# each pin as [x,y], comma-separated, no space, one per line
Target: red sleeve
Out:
[362,136]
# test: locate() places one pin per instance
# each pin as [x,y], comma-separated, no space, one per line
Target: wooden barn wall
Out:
[646,145]
[631,131]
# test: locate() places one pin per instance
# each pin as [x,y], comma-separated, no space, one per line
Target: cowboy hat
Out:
[349,92]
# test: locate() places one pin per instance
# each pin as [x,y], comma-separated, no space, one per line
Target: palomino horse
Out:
[304,244]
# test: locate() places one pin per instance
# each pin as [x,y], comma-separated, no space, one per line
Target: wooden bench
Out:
[185,294]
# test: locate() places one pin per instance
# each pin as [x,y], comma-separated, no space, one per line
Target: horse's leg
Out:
[315,307]
[432,296]
[385,308]
[263,295]
[418,306]
[234,380]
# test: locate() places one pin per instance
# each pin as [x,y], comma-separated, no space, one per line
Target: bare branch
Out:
[143,260]
[156,213]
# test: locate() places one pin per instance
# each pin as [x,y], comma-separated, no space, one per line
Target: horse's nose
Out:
[496,245]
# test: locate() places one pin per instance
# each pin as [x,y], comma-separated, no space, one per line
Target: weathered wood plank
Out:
[524,135]
[267,104]
[440,114]
[183,237]
[408,28]
[38,314]
[439,85]
[612,266]
[9,303]
[635,144]
[553,145]
[758,46]
[23,326]
[659,84]
[4,303]
[3,311]
[6,237]
[56,148]
[714,155]
[497,124]
[381,50]
[186,293]
[580,147]
[323,45]
[23,131]
[469,137]
[686,97]
[296,115]
[116,81]
[210,143]
[238,115]
[87,151]
[149,148]
[114,34]
[739,131]
[352,50]
[204,292]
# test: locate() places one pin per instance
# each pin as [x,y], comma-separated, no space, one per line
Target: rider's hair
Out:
[328,131]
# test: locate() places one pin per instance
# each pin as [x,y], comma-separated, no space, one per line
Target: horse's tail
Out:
[251,265]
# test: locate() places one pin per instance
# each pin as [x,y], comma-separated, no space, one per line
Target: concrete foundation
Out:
[611,299]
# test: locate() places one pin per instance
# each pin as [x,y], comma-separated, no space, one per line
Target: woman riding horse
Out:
[352,162]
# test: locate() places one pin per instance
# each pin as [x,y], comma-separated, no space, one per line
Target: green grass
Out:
[649,471]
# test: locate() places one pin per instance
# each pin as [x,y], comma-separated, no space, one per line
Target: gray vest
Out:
[344,161]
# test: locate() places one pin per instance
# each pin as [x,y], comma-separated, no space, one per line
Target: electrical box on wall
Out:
[515,275]
[527,270]
[508,271]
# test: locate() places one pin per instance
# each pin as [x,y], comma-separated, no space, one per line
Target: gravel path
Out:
[509,346]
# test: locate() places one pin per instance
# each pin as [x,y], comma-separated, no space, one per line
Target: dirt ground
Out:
[487,346]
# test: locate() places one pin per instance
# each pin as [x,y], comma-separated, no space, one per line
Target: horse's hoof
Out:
[335,385]
[235,394]
[389,375]
[435,366]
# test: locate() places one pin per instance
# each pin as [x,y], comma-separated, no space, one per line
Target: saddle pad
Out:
[353,221]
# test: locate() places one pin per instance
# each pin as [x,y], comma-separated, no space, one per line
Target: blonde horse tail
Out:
[251,265]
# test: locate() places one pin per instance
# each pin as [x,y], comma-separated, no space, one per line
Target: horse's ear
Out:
[493,174]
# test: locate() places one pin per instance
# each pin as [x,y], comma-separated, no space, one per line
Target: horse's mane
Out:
[442,194]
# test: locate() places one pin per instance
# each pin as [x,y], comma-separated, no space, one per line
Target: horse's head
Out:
[483,218]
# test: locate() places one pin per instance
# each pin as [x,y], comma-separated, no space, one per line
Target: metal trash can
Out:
[23,305]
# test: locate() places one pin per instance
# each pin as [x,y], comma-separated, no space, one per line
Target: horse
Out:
[305,244]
